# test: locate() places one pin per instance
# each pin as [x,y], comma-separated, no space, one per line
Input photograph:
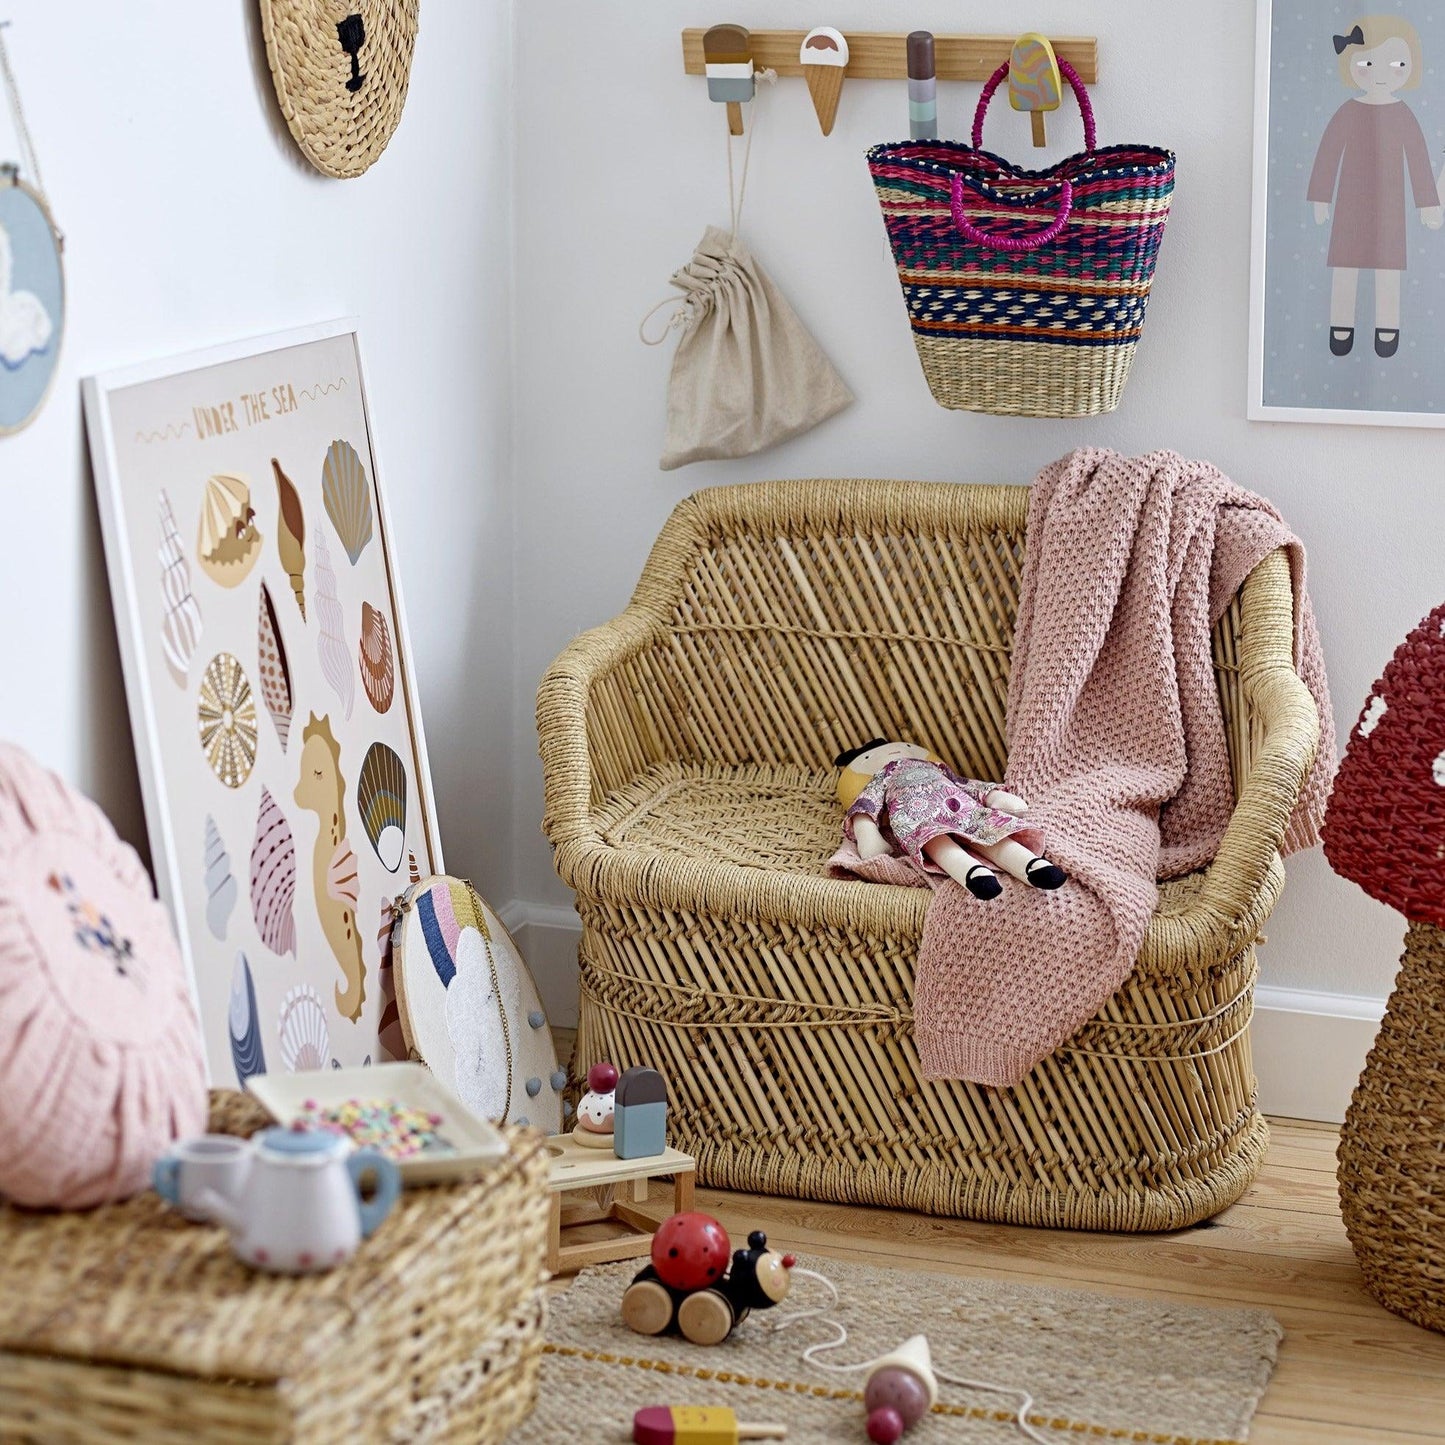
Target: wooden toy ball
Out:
[690,1288]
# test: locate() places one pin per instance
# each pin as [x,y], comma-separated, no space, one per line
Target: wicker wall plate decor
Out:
[341,69]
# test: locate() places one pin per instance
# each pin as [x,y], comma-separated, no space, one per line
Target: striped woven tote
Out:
[1025,289]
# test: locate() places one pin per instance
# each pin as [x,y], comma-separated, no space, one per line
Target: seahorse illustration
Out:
[322,790]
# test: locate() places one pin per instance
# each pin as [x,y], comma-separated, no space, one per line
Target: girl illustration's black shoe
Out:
[1342,340]
[983,882]
[1387,340]
[1043,874]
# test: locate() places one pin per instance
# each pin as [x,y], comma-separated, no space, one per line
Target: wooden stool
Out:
[575,1168]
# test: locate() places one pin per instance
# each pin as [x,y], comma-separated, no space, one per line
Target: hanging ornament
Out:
[32,283]
[340,69]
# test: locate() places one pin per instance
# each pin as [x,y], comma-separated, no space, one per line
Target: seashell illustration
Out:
[273,668]
[390,1037]
[335,658]
[291,534]
[381,800]
[229,542]
[247,1054]
[273,877]
[181,624]
[220,885]
[226,720]
[411,866]
[305,1039]
[347,494]
[378,673]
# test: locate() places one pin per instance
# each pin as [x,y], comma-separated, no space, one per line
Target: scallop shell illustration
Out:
[335,657]
[305,1039]
[378,672]
[347,494]
[226,720]
[411,865]
[381,800]
[273,668]
[247,1053]
[273,877]
[220,883]
[229,543]
[291,534]
[181,624]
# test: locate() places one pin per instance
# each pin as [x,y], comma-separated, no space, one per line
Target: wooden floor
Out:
[1348,1370]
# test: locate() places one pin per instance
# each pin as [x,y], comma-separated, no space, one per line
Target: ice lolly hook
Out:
[727,52]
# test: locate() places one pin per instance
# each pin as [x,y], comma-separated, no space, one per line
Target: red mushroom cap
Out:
[1385,827]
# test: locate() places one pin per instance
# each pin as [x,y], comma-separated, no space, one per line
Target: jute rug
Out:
[1100,1368]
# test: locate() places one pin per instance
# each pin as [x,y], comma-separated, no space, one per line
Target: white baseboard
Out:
[1309,1047]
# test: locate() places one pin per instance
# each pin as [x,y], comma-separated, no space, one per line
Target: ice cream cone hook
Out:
[824,57]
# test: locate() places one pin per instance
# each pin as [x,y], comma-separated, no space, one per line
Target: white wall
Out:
[191,219]
[619,167]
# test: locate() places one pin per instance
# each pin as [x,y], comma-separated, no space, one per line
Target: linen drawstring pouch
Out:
[746,374]
[100,1051]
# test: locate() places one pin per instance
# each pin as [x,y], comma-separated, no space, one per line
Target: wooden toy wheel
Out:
[705,1318]
[647,1307]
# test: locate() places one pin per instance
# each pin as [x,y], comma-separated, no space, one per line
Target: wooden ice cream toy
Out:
[1034,82]
[697,1425]
[727,52]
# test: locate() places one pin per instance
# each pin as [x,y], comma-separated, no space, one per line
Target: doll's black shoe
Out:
[1043,874]
[1387,341]
[1342,339]
[983,883]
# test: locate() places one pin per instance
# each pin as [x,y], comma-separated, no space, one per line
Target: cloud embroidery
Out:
[25,325]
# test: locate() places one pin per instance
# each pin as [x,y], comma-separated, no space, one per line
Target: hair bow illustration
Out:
[1343,42]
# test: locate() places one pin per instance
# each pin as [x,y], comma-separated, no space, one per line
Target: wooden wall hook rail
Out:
[883,55]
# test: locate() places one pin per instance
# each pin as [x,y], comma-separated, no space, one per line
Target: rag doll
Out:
[901,797]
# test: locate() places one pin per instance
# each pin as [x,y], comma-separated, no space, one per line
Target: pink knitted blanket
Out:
[1116,741]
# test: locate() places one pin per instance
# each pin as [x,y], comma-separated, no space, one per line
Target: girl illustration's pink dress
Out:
[1369,148]
[914,801]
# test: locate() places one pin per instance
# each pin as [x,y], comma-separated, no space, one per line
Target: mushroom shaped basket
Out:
[1385,829]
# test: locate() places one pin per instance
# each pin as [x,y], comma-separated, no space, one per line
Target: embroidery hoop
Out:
[10,177]
[530,1052]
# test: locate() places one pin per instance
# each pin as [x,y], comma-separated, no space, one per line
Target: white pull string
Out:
[12,96]
[822,1313]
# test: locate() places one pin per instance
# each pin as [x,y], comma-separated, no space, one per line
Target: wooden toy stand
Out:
[575,1168]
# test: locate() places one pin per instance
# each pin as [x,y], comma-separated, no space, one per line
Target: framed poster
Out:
[272,699]
[1347,314]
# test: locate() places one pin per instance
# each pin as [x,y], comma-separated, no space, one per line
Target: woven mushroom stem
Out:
[341,69]
[1392,1164]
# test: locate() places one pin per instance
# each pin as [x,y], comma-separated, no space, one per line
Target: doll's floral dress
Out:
[914,801]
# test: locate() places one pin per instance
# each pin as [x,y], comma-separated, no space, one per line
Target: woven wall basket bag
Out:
[1025,289]
[341,69]
[100,1049]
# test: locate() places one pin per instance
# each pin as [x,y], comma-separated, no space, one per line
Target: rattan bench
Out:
[690,805]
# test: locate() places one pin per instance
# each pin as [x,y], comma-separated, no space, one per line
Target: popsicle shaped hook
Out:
[727,52]
[922,86]
[1034,83]
[824,57]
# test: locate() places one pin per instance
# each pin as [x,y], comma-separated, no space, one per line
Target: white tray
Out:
[474,1143]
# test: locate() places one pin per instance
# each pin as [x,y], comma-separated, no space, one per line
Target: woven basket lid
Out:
[341,69]
[100,1050]
[1385,827]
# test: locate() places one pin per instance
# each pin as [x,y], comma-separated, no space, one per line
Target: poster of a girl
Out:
[1372,140]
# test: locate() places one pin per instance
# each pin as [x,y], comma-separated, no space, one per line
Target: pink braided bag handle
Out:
[1066,190]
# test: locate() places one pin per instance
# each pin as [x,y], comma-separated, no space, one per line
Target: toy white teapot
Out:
[297,1208]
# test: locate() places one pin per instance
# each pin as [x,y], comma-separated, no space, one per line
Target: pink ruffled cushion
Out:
[100,1051]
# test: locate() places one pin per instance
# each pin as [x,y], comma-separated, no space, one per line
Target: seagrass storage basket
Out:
[691,808]
[129,1324]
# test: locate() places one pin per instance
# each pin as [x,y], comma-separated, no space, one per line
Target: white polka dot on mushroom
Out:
[1439,770]
[1374,711]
